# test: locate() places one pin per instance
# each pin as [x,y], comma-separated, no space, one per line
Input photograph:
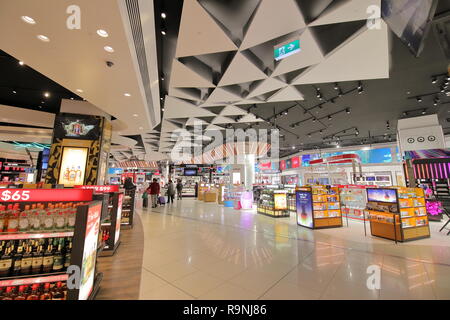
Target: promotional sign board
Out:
[73,166]
[76,126]
[100,189]
[382,195]
[44,195]
[304,208]
[90,252]
[115,171]
[119,218]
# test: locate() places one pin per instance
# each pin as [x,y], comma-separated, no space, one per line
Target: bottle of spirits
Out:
[68,254]
[46,295]
[21,294]
[24,219]
[60,219]
[8,294]
[17,260]
[66,174]
[58,257]
[6,261]
[72,174]
[49,219]
[34,295]
[27,259]
[38,259]
[2,218]
[13,219]
[47,264]
[58,294]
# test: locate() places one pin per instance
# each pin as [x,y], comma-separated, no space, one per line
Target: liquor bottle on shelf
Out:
[47,263]
[38,259]
[17,260]
[34,295]
[8,294]
[3,218]
[6,261]
[24,219]
[58,293]
[13,218]
[46,295]
[27,259]
[21,295]
[35,219]
[48,220]
[58,257]
[60,219]
[68,254]
[70,218]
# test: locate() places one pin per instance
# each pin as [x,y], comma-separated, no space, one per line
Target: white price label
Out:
[15,196]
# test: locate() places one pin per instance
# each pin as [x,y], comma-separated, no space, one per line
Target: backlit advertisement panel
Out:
[304,209]
[73,166]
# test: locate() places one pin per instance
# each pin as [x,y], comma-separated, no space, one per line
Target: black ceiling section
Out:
[138,139]
[23,87]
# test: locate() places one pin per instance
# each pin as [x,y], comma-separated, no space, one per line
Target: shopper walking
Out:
[170,191]
[154,191]
[180,189]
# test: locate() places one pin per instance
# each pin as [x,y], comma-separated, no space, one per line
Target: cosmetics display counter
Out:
[42,233]
[318,207]
[398,213]
[353,201]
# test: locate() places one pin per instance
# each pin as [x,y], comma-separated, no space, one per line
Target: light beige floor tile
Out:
[228,291]
[256,281]
[174,270]
[223,269]
[198,283]
[149,282]
[288,291]
[166,292]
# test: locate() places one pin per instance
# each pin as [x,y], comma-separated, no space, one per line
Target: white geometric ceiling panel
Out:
[223,96]
[232,111]
[183,77]
[249,101]
[273,18]
[250,118]
[195,122]
[223,120]
[267,85]
[288,93]
[183,93]
[177,108]
[213,127]
[344,11]
[199,33]
[309,55]
[364,56]
[241,70]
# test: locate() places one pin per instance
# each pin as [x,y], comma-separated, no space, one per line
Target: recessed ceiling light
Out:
[21,63]
[28,19]
[135,115]
[43,38]
[108,49]
[71,98]
[79,90]
[162,109]
[140,128]
[163,32]
[127,95]
[163,15]
[102,33]
[46,94]
[14,91]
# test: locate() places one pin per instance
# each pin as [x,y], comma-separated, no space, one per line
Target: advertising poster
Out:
[73,166]
[90,251]
[119,218]
[304,209]
[289,164]
[77,127]
[295,162]
[382,195]
[280,200]
[283,165]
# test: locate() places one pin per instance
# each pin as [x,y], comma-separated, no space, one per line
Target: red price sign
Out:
[44,195]
[100,189]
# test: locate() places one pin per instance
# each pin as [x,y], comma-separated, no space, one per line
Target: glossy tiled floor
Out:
[196,250]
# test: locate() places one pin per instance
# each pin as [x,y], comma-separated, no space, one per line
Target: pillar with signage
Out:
[80,150]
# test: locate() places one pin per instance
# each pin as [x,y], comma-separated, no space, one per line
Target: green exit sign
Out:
[286,50]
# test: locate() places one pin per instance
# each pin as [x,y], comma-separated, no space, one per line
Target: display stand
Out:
[128,208]
[111,226]
[37,256]
[273,203]
[353,201]
[398,214]
[318,207]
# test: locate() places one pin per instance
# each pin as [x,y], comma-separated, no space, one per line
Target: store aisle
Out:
[196,250]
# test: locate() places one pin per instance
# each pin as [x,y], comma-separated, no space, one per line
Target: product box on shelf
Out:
[44,234]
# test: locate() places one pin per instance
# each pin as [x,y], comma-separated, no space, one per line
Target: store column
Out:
[80,150]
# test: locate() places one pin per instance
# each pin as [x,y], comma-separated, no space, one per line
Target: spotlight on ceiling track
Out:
[359,85]
[433,80]
[163,32]
[419,99]
[347,110]
[330,117]
[424,111]
[28,19]
[336,86]
[360,90]
[314,120]
[21,63]
[163,15]
[46,94]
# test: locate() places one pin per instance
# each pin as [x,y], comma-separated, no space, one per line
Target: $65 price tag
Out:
[18,195]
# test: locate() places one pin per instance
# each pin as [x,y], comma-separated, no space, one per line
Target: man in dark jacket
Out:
[154,191]
[180,190]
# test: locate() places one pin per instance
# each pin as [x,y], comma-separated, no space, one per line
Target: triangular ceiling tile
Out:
[344,11]
[267,85]
[273,20]
[199,33]
[241,70]
[195,121]
[215,110]
[178,108]
[289,93]
[183,77]
[168,126]
[364,56]
[213,127]
[222,120]
[250,118]
[309,55]
[249,101]
[232,111]
[223,96]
